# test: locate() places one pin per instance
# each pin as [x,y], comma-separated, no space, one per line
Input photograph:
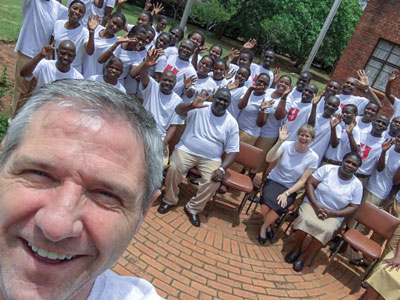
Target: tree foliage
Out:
[289,26]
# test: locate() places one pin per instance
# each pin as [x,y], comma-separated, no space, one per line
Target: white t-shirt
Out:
[90,64]
[396,107]
[180,68]
[381,183]
[47,72]
[294,96]
[298,116]
[333,192]
[162,106]
[236,95]
[344,144]
[79,36]
[221,83]
[292,164]
[207,84]
[360,102]
[365,128]
[248,116]
[271,128]
[323,135]
[398,196]
[39,18]
[172,50]
[131,84]
[88,11]
[128,59]
[370,150]
[159,67]
[100,78]
[100,10]
[208,136]
[110,286]
[257,70]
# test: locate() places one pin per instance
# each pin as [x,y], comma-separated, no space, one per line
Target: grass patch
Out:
[11,20]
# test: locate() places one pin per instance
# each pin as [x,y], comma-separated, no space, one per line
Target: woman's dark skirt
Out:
[271,190]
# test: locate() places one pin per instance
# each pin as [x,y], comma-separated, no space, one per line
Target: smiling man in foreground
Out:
[80,167]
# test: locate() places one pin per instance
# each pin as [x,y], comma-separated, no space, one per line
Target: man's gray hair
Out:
[96,99]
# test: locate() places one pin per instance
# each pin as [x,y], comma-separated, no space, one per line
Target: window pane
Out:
[381,54]
[394,59]
[384,45]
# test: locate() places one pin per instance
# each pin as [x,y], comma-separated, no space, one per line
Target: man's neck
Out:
[62,68]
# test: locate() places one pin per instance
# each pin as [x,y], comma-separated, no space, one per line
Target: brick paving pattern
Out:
[218,261]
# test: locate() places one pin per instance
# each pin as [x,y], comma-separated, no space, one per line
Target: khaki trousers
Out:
[22,87]
[180,163]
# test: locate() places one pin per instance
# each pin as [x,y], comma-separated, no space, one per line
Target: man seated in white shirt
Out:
[210,131]
[80,167]
[351,85]
[46,71]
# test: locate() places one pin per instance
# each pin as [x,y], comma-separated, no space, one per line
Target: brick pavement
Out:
[218,261]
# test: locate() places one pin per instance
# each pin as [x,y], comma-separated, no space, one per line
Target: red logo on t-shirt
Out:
[364,151]
[255,78]
[171,68]
[293,114]
[341,106]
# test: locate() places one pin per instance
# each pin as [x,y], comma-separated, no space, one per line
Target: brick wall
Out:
[381,19]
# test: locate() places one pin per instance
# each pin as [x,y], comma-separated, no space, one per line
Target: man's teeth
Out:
[49,254]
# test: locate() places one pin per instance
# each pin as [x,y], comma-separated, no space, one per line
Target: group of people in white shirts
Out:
[222,100]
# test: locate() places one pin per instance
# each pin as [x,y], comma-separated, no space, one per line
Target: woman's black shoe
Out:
[298,265]
[270,234]
[262,240]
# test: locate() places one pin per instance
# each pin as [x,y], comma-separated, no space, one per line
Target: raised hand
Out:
[189,81]
[277,74]
[233,53]
[152,56]
[131,40]
[148,5]
[233,85]
[47,50]
[393,75]
[93,22]
[198,101]
[317,99]
[250,44]
[287,91]
[202,49]
[387,144]
[362,82]
[283,133]
[335,120]
[257,88]
[229,75]
[98,3]
[157,8]
[350,127]
[266,104]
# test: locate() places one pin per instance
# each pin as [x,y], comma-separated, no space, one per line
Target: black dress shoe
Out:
[291,257]
[163,208]
[193,218]
[270,234]
[359,263]
[298,265]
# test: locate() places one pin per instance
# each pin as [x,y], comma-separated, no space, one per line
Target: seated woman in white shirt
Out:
[112,72]
[296,162]
[333,192]
[71,29]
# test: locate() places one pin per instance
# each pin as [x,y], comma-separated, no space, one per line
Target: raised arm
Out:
[388,91]
[143,69]
[107,15]
[280,111]
[362,83]
[28,68]
[109,52]
[349,131]
[92,24]
[262,116]
[183,108]
[382,158]
[274,154]
[316,100]
[335,120]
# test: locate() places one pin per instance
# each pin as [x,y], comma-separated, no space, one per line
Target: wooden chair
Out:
[375,219]
[249,157]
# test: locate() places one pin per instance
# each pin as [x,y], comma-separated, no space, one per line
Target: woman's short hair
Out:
[307,128]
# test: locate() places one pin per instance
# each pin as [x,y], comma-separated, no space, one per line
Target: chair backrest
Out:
[249,156]
[377,219]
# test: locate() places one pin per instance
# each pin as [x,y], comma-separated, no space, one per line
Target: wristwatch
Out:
[287,194]
[222,170]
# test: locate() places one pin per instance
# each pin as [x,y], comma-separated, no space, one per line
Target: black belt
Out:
[361,175]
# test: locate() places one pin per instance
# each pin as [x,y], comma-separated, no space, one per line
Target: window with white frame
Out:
[384,59]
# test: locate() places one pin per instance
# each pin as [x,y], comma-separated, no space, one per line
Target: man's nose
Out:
[60,217]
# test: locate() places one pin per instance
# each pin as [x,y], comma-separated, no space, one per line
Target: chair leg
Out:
[333,256]
[254,199]
[243,203]
[279,227]
[357,286]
